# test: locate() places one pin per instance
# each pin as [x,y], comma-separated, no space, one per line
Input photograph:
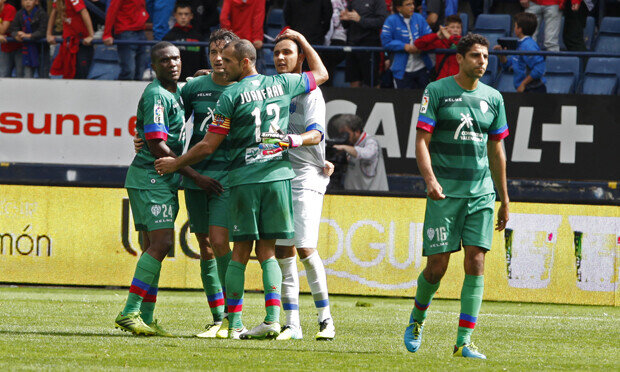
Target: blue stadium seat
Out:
[494,22]
[491,72]
[588,32]
[268,57]
[270,70]
[608,40]
[562,74]
[465,20]
[105,64]
[338,78]
[274,23]
[601,76]
[505,82]
[491,36]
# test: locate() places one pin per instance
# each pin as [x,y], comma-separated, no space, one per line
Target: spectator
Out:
[528,70]
[401,29]
[10,53]
[549,11]
[160,12]
[193,57]
[363,20]
[310,18]
[29,23]
[73,60]
[436,11]
[245,18]
[206,16]
[575,15]
[126,19]
[366,170]
[336,36]
[445,38]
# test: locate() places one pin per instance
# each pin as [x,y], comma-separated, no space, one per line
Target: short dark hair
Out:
[243,49]
[222,34]
[183,4]
[157,47]
[350,121]
[396,3]
[468,41]
[299,49]
[527,22]
[454,18]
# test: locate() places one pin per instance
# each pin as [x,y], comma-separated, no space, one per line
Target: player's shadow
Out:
[79,334]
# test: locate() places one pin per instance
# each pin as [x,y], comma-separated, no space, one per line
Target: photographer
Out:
[365,170]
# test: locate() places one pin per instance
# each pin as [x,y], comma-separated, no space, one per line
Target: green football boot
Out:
[159,330]
[134,324]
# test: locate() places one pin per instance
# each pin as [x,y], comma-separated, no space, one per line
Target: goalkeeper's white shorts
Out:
[307,208]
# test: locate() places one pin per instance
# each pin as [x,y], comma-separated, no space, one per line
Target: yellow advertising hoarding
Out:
[553,253]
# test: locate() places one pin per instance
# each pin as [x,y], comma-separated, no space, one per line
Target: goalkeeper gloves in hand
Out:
[273,143]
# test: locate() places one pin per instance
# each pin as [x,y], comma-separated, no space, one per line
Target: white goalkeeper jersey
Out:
[307,112]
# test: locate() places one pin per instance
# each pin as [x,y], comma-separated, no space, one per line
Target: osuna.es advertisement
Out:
[554,253]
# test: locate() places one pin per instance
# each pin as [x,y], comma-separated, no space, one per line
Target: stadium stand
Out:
[505,82]
[465,23]
[540,37]
[274,23]
[562,74]
[608,40]
[491,73]
[105,64]
[339,77]
[588,32]
[601,76]
[493,26]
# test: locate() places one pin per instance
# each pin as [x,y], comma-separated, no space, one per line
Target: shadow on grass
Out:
[84,334]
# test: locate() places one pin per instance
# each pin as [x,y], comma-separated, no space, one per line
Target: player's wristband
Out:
[295,140]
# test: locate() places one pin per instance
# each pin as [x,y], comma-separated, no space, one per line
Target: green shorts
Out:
[153,209]
[206,210]
[450,222]
[261,211]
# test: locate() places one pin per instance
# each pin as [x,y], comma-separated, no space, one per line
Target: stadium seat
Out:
[465,21]
[588,32]
[505,82]
[338,78]
[105,64]
[562,74]
[494,22]
[274,24]
[601,76]
[491,72]
[608,40]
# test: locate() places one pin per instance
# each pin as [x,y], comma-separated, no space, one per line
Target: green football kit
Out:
[255,105]
[200,96]
[153,198]
[461,122]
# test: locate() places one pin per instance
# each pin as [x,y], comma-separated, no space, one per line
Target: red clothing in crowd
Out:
[73,24]
[554,2]
[244,17]
[7,15]
[432,41]
[125,15]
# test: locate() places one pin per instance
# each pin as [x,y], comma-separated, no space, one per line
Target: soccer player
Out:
[459,151]
[153,197]
[260,196]
[208,213]
[307,119]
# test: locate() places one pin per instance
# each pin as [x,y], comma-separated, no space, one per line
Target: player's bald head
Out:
[242,49]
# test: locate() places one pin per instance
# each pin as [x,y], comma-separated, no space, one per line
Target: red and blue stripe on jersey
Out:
[156,130]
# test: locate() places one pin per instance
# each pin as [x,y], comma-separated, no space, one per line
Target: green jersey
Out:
[160,115]
[258,104]
[461,122]
[200,96]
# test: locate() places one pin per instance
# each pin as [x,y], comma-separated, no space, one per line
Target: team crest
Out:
[430,232]
[156,209]
[484,106]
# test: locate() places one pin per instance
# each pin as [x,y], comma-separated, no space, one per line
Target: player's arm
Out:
[423,158]
[160,149]
[199,151]
[497,162]
[317,68]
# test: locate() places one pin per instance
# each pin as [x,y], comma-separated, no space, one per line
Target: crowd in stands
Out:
[406,30]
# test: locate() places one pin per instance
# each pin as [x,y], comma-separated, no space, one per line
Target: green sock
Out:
[213,289]
[471,299]
[222,267]
[235,281]
[423,297]
[148,304]
[272,283]
[146,270]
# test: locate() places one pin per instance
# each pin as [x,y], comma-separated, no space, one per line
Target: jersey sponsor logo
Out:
[424,104]
[484,106]
[467,122]
[158,113]
[453,99]
[156,209]
[262,94]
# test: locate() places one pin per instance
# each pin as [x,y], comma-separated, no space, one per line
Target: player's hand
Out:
[289,33]
[209,184]
[88,40]
[202,72]
[328,169]
[434,190]
[502,217]
[137,143]
[108,41]
[51,39]
[166,165]
[258,44]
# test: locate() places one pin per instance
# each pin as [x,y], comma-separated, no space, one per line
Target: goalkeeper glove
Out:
[273,143]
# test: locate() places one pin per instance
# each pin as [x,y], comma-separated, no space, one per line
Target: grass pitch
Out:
[71,328]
